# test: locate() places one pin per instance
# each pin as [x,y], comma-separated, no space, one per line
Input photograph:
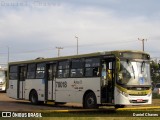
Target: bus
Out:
[115,78]
[3,78]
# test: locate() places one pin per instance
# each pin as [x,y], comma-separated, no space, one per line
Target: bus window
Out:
[63,69]
[31,71]
[13,73]
[40,70]
[92,67]
[77,68]
[50,72]
[104,71]
[22,73]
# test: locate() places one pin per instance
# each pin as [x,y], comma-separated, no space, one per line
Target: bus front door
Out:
[21,82]
[107,80]
[50,82]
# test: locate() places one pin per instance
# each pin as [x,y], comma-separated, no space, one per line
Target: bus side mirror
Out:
[110,66]
[118,64]
[5,73]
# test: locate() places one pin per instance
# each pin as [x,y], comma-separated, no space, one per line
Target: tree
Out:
[155,72]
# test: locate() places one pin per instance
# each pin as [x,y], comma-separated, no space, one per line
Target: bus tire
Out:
[34,97]
[90,101]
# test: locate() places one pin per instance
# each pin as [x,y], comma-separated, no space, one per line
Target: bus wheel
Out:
[34,97]
[90,101]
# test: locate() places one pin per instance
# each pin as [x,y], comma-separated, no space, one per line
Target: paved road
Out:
[9,104]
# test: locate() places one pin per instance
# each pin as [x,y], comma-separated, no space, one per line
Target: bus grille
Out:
[137,94]
[138,88]
[1,83]
[135,101]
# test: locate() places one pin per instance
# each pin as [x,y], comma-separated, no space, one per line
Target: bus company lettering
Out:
[78,82]
[61,84]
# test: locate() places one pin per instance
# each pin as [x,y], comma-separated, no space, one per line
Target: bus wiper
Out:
[142,66]
[133,71]
[129,63]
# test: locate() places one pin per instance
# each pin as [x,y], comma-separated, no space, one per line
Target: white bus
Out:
[104,78]
[3,78]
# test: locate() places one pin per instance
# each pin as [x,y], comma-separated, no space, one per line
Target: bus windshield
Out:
[134,73]
[2,73]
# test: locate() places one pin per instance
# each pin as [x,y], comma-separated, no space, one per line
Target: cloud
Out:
[38,27]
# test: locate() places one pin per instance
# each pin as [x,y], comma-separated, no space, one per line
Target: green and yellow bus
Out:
[116,78]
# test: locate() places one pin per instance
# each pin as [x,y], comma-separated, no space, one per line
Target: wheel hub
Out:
[90,101]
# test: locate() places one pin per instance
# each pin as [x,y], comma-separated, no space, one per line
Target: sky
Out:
[34,28]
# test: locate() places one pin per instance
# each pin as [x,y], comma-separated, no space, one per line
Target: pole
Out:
[142,42]
[77,44]
[59,48]
[8,54]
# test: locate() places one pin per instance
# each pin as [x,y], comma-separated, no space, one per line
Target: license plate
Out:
[139,100]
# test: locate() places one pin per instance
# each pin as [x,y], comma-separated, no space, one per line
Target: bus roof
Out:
[41,59]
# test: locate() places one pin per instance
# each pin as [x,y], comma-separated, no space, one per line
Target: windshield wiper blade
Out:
[133,71]
[142,66]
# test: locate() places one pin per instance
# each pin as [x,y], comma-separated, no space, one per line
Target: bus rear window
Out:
[13,72]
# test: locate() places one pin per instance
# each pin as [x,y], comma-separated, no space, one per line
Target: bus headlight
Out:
[123,93]
[2,81]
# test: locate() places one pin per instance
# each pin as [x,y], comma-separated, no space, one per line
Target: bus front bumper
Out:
[121,99]
[2,88]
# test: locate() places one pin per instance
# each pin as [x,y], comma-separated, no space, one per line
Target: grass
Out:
[86,118]
[156,96]
[102,115]
[96,115]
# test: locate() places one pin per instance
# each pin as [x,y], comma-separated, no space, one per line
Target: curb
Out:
[99,110]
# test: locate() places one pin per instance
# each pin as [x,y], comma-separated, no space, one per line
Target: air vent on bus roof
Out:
[39,58]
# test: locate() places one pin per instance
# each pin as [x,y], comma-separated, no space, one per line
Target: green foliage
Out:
[155,96]
[155,75]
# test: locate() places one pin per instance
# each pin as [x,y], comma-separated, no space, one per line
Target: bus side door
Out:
[107,77]
[21,82]
[50,82]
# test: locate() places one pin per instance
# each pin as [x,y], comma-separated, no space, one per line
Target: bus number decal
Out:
[61,84]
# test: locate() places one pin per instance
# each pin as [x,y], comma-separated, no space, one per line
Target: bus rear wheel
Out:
[90,101]
[34,97]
